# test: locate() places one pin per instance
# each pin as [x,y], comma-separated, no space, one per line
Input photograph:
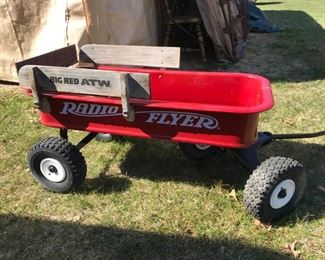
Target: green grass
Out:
[144,199]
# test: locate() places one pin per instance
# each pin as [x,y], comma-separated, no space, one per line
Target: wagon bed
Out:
[213,108]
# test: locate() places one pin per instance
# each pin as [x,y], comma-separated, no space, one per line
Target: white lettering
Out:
[112,110]
[89,110]
[173,118]
[104,110]
[152,117]
[181,119]
[68,107]
[189,120]
[176,118]
[209,123]
[82,108]
[163,120]
[94,109]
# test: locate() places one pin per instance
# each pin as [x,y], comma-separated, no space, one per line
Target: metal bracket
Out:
[64,133]
[249,156]
[127,108]
[90,136]
[40,101]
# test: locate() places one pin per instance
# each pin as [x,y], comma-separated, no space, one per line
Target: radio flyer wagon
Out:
[202,111]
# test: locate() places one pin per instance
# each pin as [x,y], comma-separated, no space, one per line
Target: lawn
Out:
[145,199]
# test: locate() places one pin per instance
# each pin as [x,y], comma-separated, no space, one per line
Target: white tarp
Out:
[31,28]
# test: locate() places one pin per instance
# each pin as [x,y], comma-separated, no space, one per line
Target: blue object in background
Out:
[258,22]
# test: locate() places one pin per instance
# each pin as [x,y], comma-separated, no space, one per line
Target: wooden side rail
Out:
[146,56]
[126,55]
[63,57]
[85,81]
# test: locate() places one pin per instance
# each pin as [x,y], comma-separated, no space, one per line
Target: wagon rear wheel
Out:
[57,164]
[101,137]
[198,152]
[274,188]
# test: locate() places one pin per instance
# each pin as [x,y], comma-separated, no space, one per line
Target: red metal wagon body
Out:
[219,109]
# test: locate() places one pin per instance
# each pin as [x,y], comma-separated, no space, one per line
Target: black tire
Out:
[56,156]
[274,188]
[198,152]
[103,137]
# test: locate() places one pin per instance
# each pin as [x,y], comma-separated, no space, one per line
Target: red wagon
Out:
[202,111]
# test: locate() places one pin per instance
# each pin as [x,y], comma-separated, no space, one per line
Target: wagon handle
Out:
[298,135]
[127,108]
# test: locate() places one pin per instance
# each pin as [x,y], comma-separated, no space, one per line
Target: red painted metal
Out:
[215,108]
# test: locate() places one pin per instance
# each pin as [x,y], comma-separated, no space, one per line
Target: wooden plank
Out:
[150,56]
[63,57]
[85,81]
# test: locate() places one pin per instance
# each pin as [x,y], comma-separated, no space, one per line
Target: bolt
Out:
[53,169]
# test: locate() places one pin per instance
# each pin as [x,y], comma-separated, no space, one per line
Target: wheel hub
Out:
[202,146]
[282,194]
[53,170]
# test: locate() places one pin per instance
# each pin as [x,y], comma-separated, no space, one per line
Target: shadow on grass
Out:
[105,184]
[164,161]
[161,161]
[26,238]
[300,46]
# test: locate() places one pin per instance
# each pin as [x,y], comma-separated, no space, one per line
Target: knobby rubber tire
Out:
[67,154]
[193,153]
[262,182]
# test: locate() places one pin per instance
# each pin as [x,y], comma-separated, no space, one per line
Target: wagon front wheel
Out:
[198,152]
[57,164]
[274,188]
